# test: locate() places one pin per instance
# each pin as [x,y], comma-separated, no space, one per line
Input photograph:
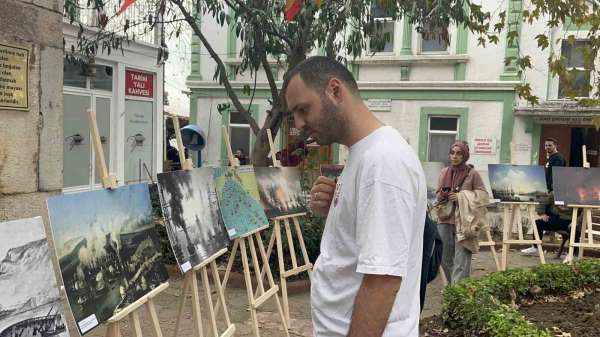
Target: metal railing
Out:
[137,15]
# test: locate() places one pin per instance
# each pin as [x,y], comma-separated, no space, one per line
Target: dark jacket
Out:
[555,160]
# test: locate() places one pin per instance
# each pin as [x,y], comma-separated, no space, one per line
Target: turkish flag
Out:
[292,8]
[124,6]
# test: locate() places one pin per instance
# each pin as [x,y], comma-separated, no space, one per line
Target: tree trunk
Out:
[261,149]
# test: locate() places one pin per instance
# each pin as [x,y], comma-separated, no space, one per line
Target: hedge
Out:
[481,306]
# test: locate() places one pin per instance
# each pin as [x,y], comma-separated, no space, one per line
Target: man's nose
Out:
[299,122]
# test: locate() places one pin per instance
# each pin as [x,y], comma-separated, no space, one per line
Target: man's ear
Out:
[335,88]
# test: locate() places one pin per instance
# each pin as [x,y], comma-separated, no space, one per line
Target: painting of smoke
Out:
[29,297]
[107,249]
[192,216]
[576,186]
[518,183]
[280,191]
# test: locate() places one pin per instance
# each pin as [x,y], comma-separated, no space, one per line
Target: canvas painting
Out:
[192,216]
[30,303]
[576,186]
[107,249]
[239,200]
[280,191]
[331,171]
[432,175]
[517,183]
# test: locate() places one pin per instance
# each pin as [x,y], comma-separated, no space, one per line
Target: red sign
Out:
[139,84]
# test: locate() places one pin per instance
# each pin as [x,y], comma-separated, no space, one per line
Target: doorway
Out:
[570,141]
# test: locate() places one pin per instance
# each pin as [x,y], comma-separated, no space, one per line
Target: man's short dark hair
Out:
[550,139]
[316,71]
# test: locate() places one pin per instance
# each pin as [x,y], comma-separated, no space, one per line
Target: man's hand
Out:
[321,195]
[373,305]
[545,218]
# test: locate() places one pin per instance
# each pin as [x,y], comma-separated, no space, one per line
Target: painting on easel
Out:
[108,250]
[576,186]
[239,200]
[432,171]
[30,303]
[280,190]
[518,183]
[331,171]
[192,216]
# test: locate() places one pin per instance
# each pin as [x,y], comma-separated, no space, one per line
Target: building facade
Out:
[432,92]
[125,89]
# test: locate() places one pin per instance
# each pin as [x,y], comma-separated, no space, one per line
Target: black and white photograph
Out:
[192,216]
[108,250]
[518,183]
[280,191]
[30,303]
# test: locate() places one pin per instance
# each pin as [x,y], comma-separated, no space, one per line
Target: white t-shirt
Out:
[375,226]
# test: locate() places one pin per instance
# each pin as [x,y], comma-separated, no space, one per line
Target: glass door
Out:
[139,138]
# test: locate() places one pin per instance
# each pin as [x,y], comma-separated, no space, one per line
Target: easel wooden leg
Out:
[269,252]
[154,318]
[112,330]
[211,310]
[272,284]
[536,235]
[249,291]
[196,304]
[302,246]
[134,319]
[586,227]
[182,298]
[506,229]
[493,249]
[282,280]
[221,296]
[228,270]
[572,236]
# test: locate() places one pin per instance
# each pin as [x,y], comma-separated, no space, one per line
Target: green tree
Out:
[341,29]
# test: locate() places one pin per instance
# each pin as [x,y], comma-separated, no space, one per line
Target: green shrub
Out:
[481,307]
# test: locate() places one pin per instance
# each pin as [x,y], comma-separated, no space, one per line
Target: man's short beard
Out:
[332,121]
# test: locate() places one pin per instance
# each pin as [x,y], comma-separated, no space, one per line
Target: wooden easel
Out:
[492,244]
[131,311]
[252,240]
[511,219]
[276,238]
[586,238]
[190,280]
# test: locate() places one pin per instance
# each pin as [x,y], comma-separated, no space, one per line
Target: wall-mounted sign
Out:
[379,104]
[14,74]
[483,145]
[139,84]
[565,120]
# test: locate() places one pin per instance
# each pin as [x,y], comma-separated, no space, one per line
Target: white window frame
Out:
[431,132]
[240,126]
[386,20]
[420,45]
[557,90]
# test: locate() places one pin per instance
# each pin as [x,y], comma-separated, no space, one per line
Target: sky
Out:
[72,214]
[523,178]
[19,232]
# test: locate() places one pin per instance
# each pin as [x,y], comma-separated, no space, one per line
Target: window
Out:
[78,74]
[240,133]
[577,81]
[442,134]
[382,39]
[432,39]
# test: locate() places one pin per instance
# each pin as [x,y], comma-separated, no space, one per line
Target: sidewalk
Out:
[166,305]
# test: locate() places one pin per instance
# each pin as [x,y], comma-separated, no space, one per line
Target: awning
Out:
[566,113]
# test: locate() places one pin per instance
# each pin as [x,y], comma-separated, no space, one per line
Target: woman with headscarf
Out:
[462,199]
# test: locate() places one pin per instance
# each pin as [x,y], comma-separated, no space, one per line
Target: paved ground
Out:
[166,305]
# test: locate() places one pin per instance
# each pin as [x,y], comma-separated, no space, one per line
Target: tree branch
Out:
[329,49]
[220,66]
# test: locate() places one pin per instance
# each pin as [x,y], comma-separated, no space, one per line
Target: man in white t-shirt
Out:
[366,280]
